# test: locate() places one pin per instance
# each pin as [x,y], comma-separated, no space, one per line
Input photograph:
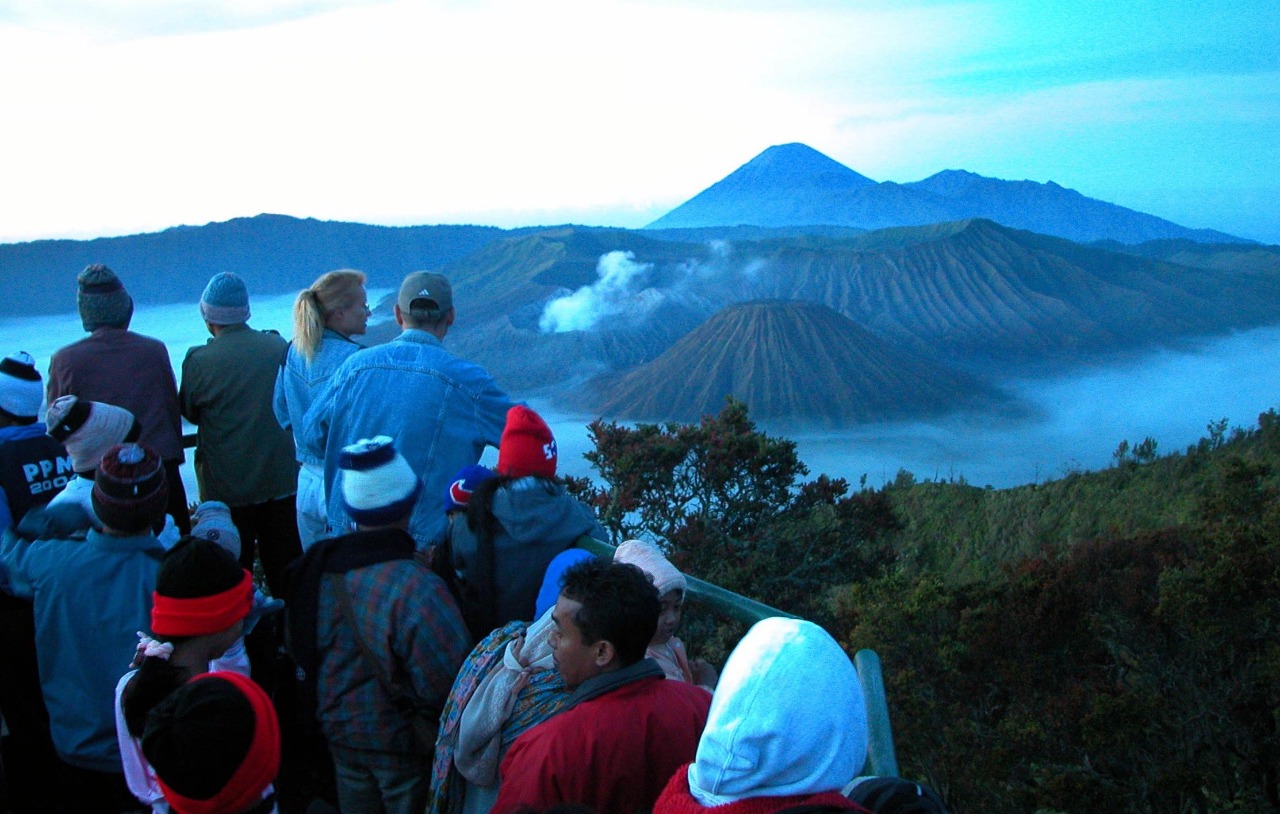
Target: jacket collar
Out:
[605,683]
[418,336]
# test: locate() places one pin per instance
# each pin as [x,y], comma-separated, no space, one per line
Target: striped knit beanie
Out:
[88,429]
[378,486]
[130,491]
[20,389]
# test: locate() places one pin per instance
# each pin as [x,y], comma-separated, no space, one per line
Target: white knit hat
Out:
[20,389]
[378,486]
[88,429]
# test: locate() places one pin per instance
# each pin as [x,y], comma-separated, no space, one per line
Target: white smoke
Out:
[621,292]
[628,291]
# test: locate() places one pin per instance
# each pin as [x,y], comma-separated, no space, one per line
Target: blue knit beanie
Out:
[225,300]
[458,494]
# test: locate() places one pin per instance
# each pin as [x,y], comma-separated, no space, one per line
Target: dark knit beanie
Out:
[214,744]
[527,446]
[197,567]
[102,300]
[130,491]
[200,589]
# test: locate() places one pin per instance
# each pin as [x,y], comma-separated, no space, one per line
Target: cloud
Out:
[620,292]
[629,291]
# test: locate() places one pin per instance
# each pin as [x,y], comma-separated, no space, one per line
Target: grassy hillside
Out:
[1103,642]
[964,533]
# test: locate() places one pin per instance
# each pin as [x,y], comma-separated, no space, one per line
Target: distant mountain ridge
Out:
[274,253]
[791,185]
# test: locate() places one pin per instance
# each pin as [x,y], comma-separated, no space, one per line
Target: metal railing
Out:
[881,757]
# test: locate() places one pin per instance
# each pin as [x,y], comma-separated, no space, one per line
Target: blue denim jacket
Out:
[298,383]
[441,411]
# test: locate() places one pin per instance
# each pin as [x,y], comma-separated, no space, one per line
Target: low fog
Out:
[1076,421]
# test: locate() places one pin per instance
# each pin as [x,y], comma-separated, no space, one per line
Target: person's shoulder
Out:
[73,354]
[195,352]
[144,341]
[683,692]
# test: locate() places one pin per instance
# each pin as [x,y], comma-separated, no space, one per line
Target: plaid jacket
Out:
[412,625]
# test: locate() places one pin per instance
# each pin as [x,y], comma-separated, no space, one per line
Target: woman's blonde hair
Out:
[333,291]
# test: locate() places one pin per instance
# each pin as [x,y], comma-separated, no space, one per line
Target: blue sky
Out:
[137,115]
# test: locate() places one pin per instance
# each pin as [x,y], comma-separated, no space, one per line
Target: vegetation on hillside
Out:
[1107,641]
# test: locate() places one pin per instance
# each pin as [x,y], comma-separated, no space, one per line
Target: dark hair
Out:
[480,517]
[619,605]
[194,567]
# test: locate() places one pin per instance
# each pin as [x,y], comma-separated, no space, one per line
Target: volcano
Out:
[787,360]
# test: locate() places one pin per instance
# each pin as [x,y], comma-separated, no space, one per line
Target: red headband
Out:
[201,615]
[260,765]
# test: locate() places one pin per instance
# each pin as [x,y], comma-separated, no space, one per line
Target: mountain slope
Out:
[978,290]
[789,186]
[787,360]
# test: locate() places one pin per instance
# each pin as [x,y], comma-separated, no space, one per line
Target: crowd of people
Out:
[426,634]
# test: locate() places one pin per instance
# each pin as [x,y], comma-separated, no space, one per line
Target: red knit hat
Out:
[527,446]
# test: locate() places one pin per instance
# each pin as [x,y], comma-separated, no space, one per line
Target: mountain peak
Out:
[950,182]
[769,190]
[800,162]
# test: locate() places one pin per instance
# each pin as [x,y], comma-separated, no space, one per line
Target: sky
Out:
[127,116]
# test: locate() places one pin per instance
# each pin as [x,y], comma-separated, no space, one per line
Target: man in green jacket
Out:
[243,457]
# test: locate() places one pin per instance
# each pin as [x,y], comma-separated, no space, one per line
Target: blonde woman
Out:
[325,317]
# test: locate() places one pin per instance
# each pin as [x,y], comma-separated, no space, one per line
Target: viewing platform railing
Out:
[881,757]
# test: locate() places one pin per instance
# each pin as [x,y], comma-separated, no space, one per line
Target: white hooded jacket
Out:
[788,718]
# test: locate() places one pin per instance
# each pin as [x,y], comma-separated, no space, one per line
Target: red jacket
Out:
[677,799]
[613,753]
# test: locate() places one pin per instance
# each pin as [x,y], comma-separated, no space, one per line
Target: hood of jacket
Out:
[535,509]
[788,718]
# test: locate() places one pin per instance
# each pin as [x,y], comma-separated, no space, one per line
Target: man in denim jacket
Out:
[440,410]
